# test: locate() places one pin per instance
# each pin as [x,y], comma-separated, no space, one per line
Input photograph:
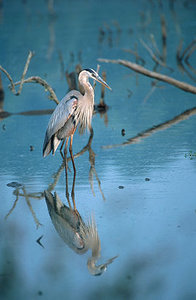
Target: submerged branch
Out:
[137,68]
[153,56]
[188,49]
[136,55]
[164,37]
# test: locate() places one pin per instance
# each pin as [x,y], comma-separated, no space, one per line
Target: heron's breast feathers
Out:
[83,115]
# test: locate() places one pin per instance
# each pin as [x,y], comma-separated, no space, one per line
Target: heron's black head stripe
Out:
[90,71]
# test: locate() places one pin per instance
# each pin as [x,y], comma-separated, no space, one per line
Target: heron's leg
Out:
[73,198]
[66,175]
[74,168]
[62,148]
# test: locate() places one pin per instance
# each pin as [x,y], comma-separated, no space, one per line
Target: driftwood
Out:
[139,69]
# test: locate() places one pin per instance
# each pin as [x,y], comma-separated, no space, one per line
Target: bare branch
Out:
[32,79]
[37,79]
[137,68]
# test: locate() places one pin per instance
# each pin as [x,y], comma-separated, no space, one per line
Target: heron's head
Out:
[90,73]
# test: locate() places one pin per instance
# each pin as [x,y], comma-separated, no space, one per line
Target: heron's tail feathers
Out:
[47,147]
[50,145]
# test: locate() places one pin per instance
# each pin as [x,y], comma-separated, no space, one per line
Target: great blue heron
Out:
[73,110]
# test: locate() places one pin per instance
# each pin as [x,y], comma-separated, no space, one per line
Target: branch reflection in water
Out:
[146,133]
[20,189]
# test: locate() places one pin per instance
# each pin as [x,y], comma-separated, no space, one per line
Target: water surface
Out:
[145,206]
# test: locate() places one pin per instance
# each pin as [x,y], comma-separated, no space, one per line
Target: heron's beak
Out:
[99,79]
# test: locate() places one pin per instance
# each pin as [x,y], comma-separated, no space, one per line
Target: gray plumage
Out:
[73,110]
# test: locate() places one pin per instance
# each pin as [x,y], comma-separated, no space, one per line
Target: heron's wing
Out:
[61,114]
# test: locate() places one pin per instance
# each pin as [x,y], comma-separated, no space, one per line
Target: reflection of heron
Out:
[73,110]
[75,233]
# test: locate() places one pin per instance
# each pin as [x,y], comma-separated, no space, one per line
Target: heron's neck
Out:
[88,89]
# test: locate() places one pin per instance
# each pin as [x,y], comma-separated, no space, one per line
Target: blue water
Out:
[148,216]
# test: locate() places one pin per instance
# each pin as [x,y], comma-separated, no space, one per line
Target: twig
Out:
[101,101]
[30,207]
[137,68]
[37,79]
[146,133]
[24,72]
[118,29]
[14,205]
[1,94]
[110,41]
[62,66]
[136,55]
[56,176]
[32,79]
[10,79]
[51,29]
[187,49]
[184,70]
[101,35]
[156,60]
[155,45]
[71,80]
[190,53]
[191,68]
[94,83]
[179,48]
[190,49]
[99,184]
[153,88]
[164,38]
